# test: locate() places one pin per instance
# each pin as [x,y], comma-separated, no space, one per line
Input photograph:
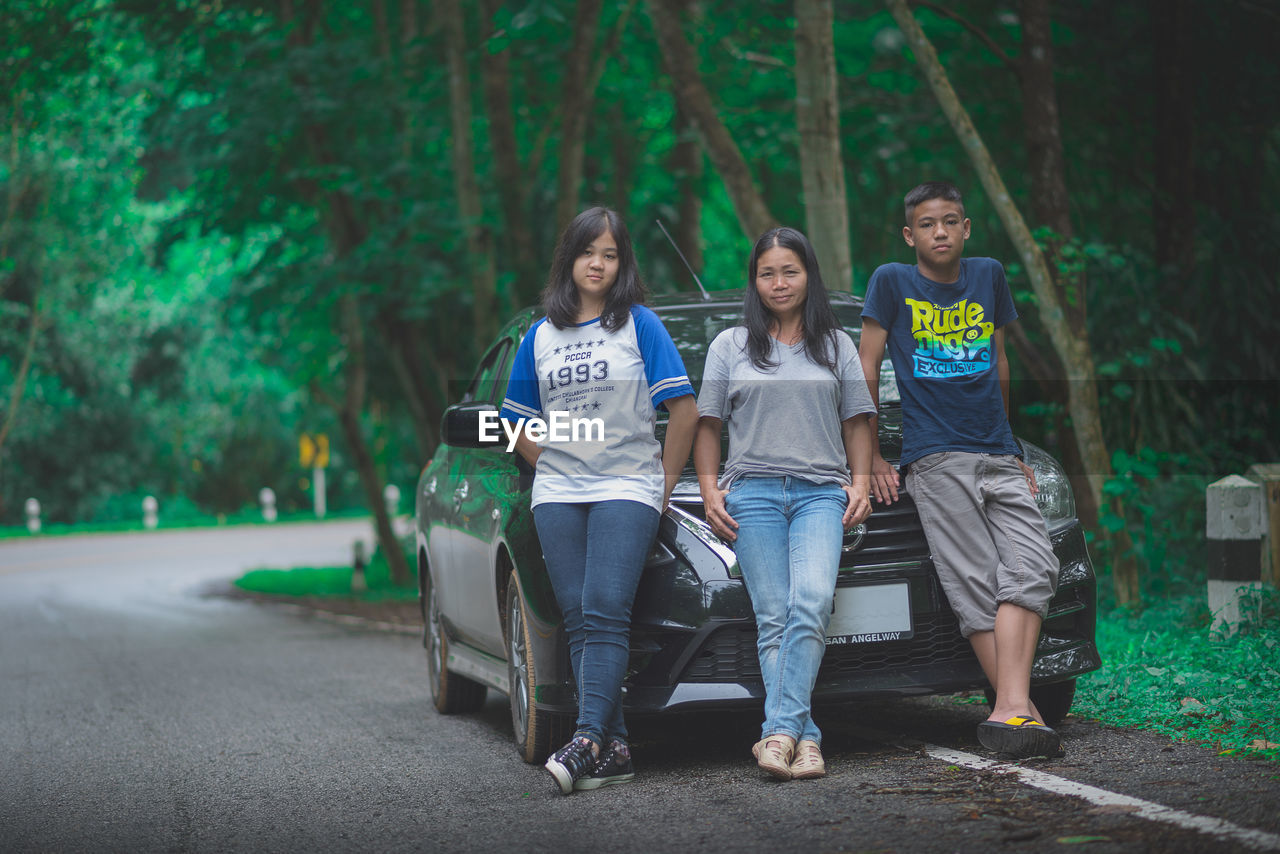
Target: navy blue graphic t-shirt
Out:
[940,341]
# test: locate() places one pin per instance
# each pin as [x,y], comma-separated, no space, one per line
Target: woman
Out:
[789,383]
[597,499]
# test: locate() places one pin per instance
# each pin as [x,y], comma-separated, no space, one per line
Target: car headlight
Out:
[888,384]
[1056,501]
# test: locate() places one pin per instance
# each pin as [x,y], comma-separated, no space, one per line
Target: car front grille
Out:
[893,535]
[729,654]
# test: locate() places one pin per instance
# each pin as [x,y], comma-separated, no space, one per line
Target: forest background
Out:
[223,224]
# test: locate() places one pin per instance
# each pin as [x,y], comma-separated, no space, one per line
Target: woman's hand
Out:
[717,516]
[859,506]
[706,459]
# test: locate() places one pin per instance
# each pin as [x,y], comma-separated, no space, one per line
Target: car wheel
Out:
[1053,701]
[536,731]
[452,694]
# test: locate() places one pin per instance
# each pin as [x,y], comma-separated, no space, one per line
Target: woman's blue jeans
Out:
[595,553]
[788,547]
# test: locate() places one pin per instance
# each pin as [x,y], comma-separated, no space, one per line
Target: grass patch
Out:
[246,517]
[330,582]
[1165,670]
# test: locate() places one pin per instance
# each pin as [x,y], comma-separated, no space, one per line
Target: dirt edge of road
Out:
[400,616]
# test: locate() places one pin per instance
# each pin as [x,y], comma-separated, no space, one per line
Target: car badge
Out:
[853,539]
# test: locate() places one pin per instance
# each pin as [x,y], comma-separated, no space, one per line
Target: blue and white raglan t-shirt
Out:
[597,392]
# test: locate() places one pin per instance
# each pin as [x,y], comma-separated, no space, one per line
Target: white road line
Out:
[1145,809]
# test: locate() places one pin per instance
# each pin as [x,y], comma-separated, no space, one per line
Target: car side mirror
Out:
[472,425]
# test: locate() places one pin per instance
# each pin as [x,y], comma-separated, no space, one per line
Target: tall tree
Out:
[477,235]
[1174,141]
[512,185]
[818,123]
[686,165]
[345,223]
[1057,299]
[681,63]
[577,92]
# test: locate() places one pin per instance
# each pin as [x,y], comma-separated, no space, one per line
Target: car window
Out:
[490,378]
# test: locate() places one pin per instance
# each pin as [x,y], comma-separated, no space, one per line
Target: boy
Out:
[943,320]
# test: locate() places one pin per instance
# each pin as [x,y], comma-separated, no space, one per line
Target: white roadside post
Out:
[317,488]
[33,515]
[1233,530]
[150,513]
[267,498]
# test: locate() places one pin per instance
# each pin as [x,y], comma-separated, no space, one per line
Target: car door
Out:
[482,485]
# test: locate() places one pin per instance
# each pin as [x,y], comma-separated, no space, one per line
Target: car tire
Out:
[452,694]
[537,732]
[1053,700]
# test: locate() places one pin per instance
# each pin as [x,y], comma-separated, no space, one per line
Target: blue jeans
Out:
[595,553]
[788,547]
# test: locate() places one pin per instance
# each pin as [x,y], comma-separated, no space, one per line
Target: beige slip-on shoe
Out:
[808,763]
[773,755]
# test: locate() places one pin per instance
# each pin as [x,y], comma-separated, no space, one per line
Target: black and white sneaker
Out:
[570,762]
[613,766]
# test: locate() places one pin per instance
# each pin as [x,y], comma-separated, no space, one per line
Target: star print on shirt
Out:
[557,350]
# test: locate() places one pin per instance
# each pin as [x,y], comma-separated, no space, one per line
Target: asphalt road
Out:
[138,712]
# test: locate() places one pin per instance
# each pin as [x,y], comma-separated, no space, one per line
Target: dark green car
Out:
[491,620]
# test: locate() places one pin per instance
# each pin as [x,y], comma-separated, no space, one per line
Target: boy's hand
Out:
[884,480]
[1030,475]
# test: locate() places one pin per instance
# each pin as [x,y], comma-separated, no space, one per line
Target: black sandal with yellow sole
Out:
[1020,738]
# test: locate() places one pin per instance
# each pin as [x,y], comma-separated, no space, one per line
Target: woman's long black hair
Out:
[818,321]
[560,297]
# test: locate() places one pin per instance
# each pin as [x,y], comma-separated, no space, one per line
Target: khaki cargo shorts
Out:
[986,535]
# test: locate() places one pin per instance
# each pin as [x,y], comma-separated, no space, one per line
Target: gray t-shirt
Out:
[783,421]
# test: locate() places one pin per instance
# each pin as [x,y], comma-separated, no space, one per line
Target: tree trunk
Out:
[348,412]
[576,95]
[16,190]
[495,70]
[346,232]
[1174,142]
[681,64]
[1072,350]
[1050,203]
[19,387]
[399,343]
[818,123]
[686,165]
[479,261]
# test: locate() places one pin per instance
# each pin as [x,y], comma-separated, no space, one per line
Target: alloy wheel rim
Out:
[434,653]
[520,669]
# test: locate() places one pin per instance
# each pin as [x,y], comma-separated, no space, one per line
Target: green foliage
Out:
[193,192]
[1165,670]
[327,582]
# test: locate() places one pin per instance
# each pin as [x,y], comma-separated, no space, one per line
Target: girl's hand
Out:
[717,516]
[859,506]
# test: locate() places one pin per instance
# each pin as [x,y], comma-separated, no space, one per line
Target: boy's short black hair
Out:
[931,190]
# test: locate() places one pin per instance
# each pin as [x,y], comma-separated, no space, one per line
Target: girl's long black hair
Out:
[818,322]
[560,297]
